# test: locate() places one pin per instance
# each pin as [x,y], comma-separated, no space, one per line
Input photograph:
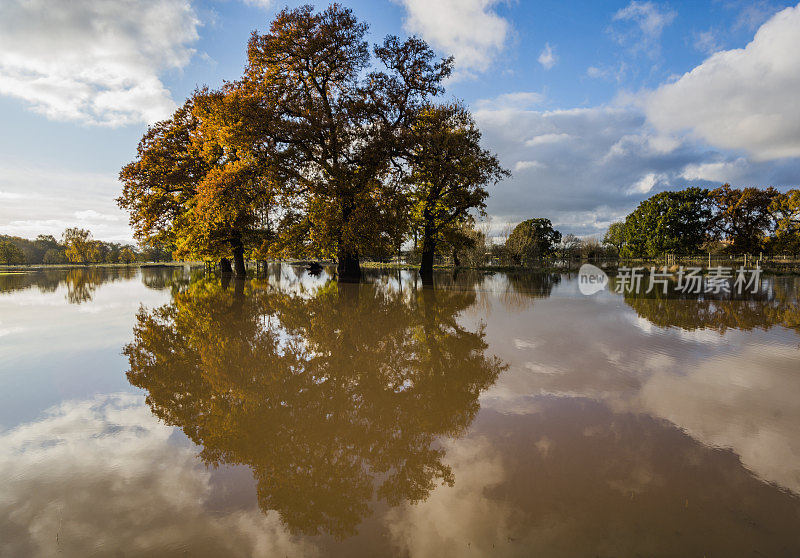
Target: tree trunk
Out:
[456,261]
[238,258]
[348,267]
[225,266]
[428,251]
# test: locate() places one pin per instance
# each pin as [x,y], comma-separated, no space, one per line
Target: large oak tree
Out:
[199,181]
[341,114]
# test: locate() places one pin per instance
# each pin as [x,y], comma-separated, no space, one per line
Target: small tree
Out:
[615,236]
[80,247]
[127,256]
[785,210]
[54,256]
[570,247]
[532,241]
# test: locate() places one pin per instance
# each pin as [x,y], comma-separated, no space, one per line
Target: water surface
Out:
[162,412]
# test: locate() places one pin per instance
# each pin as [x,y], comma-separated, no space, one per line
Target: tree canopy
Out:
[10,254]
[677,222]
[531,241]
[324,148]
[448,173]
[748,220]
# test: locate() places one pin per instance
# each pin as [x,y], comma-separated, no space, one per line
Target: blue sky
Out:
[593,106]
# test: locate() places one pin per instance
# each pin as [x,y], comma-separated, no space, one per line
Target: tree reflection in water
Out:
[80,283]
[333,397]
[775,305]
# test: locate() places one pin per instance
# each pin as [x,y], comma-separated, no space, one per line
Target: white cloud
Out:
[92,215]
[94,61]
[525,165]
[741,99]
[79,478]
[648,22]
[616,72]
[595,72]
[517,100]
[470,30]
[542,139]
[706,42]
[645,184]
[11,196]
[547,58]
[55,199]
[265,4]
[722,171]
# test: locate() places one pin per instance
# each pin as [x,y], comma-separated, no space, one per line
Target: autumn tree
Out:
[448,174]
[785,210]
[743,216]
[197,182]
[127,256]
[339,112]
[80,246]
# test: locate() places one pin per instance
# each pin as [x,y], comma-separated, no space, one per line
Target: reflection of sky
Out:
[103,477]
[601,414]
[52,350]
[736,389]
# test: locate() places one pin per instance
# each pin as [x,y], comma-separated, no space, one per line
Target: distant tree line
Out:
[324,148]
[696,220]
[76,246]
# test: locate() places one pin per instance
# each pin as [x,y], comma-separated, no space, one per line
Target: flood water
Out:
[160,412]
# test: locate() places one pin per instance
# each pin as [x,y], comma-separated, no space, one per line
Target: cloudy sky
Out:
[593,105]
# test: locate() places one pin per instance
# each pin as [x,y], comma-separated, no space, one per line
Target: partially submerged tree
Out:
[198,181]
[448,175]
[338,120]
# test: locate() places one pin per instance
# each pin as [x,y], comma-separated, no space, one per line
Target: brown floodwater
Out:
[161,412]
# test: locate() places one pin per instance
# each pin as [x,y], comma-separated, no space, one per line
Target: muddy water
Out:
[160,412]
